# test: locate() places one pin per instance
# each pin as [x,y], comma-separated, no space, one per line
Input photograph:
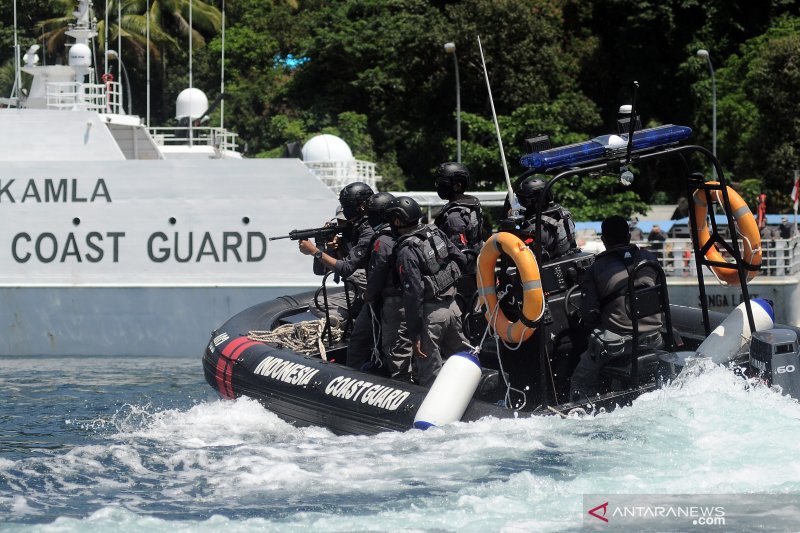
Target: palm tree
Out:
[169,26]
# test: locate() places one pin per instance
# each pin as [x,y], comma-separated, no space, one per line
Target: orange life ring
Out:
[746,227]
[107,77]
[533,295]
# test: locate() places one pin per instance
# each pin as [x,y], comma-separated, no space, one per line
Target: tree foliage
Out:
[375,73]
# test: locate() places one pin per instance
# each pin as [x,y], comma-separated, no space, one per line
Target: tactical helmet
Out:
[404,208]
[529,190]
[448,174]
[376,205]
[352,197]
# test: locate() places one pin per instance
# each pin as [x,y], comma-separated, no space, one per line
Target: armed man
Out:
[428,265]
[354,246]
[460,219]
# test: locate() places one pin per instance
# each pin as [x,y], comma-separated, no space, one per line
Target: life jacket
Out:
[439,272]
[470,210]
[558,221]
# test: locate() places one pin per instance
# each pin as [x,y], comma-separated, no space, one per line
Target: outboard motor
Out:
[774,357]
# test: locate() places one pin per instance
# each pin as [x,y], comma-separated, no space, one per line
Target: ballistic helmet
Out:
[529,191]
[405,209]
[376,205]
[353,197]
[448,174]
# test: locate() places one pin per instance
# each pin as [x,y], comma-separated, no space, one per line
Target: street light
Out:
[112,54]
[450,48]
[704,54]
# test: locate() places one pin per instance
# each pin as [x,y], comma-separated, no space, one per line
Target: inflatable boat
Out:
[288,353]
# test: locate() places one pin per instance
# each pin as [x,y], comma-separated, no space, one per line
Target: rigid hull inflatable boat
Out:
[525,370]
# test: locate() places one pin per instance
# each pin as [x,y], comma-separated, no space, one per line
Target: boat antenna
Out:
[147,26]
[515,205]
[191,120]
[17,77]
[105,43]
[222,73]
[119,54]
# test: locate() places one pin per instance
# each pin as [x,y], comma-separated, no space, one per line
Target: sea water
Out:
[145,445]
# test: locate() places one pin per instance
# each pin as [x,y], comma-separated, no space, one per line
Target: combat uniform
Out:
[462,221]
[428,265]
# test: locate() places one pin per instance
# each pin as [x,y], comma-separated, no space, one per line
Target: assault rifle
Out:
[324,234]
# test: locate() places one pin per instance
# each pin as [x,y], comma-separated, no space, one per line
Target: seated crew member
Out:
[356,240]
[428,266]
[603,304]
[363,347]
[558,228]
[383,292]
[460,219]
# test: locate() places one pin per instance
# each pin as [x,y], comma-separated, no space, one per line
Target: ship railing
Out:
[779,257]
[98,97]
[220,138]
[337,174]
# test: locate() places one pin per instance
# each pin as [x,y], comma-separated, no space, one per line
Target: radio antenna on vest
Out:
[515,206]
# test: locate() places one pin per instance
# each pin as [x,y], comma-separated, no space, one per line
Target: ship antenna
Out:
[17,79]
[515,206]
[222,73]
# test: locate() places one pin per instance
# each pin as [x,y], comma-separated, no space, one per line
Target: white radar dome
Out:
[80,56]
[80,59]
[191,103]
[326,147]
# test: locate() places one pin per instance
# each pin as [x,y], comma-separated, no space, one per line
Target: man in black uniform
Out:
[604,309]
[558,228]
[383,291]
[460,218]
[428,265]
[357,239]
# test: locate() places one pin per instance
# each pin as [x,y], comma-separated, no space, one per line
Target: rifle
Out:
[324,234]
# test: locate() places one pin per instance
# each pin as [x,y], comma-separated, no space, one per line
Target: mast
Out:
[147,31]
[17,78]
[191,120]
[222,74]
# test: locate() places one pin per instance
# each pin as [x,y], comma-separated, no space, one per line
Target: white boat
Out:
[121,240]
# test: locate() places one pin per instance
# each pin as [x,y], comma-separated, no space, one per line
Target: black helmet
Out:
[376,205]
[529,190]
[353,197]
[448,174]
[404,208]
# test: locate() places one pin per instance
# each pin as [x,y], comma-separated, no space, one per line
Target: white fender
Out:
[727,339]
[451,392]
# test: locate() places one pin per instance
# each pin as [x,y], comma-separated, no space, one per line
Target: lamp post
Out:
[112,54]
[704,54]
[450,48]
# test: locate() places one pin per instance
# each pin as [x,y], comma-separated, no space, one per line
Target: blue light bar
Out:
[605,147]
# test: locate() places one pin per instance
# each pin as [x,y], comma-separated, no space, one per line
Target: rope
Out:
[303,337]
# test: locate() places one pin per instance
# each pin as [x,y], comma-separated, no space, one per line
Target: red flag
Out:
[796,192]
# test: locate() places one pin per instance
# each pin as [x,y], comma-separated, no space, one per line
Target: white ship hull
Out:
[144,257]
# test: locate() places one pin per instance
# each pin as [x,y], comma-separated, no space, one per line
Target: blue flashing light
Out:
[605,147]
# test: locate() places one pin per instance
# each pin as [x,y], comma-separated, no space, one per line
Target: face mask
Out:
[443,190]
[375,220]
[350,211]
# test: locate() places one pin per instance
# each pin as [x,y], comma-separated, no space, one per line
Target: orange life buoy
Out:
[746,227]
[533,295]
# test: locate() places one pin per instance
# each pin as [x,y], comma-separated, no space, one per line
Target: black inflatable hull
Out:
[306,390]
